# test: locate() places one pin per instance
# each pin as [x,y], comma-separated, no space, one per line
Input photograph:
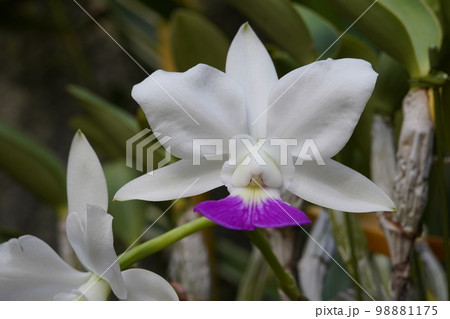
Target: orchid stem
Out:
[285,280]
[128,258]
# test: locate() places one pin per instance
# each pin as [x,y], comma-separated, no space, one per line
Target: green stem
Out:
[440,152]
[285,280]
[354,260]
[128,258]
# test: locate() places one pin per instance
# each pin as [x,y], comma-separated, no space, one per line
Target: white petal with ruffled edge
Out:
[31,270]
[249,64]
[91,237]
[146,285]
[337,186]
[181,179]
[86,182]
[201,103]
[321,101]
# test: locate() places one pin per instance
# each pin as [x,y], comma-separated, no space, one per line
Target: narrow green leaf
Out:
[194,39]
[254,280]
[352,246]
[282,24]
[33,165]
[323,32]
[117,124]
[404,29]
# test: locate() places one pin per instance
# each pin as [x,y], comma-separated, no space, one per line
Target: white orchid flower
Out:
[31,270]
[319,103]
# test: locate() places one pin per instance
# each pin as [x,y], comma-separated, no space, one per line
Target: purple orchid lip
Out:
[233,212]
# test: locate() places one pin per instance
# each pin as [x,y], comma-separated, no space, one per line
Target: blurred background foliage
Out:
[60,71]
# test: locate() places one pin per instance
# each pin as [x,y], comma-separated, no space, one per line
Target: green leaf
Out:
[391,87]
[283,61]
[33,165]
[194,39]
[117,124]
[254,280]
[403,29]
[445,9]
[353,47]
[328,11]
[352,246]
[282,24]
[141,25]
[129,218]
[323,32]
[446,115]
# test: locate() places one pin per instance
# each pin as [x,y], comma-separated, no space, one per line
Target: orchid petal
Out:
[31,270]
[178,180]
[200,103]
[238,212]
[338,187]
[321,101]
[91,237]
[146,285]
[250,65]
[86,182]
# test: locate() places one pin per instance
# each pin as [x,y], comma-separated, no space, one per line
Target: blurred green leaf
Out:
[352,47]
[117,125]
[326,10]
[446,115]
[129,218]
[254,280]
[336,280]
[141,26]
[391,87]
[435,5]
[33,165]
[352,246]
[406,31]
[445,9]
[232,260]
[323,32]
[279,20]
[283,61]
[194,39]
[432,271]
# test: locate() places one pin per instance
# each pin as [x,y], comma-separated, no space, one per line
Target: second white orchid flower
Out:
[31,270]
